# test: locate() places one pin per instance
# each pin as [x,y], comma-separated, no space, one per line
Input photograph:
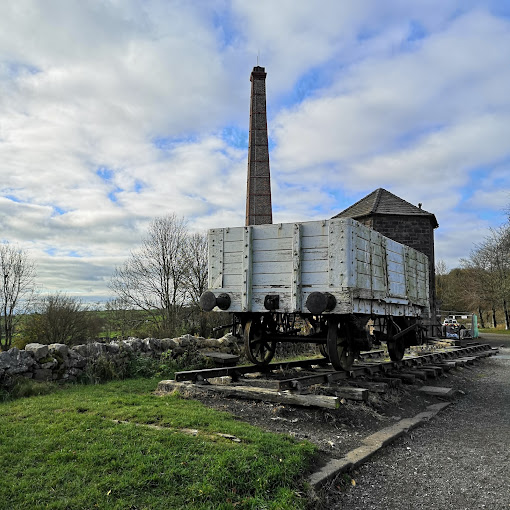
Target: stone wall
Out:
[58,362]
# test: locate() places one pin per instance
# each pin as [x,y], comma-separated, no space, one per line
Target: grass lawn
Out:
[495,331]
[66,450]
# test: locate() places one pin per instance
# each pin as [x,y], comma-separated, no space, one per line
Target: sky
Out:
[114,112]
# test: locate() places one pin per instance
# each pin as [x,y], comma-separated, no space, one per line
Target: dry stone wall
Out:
[58,362]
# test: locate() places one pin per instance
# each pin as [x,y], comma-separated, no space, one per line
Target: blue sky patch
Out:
[412,136]
[484,174]
[13,198]
[366,33]
[308,84]
[105,173]
[58,211]
[482,179]
[15,69]
[500,8]
[321,210]
[235,137]
[342,199]
[113,195]
[225,28]
[416,31]
[168,143]
[161,142]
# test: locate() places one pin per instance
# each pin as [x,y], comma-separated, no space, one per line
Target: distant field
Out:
[68,450]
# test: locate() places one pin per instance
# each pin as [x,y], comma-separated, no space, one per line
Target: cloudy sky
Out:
[113,112]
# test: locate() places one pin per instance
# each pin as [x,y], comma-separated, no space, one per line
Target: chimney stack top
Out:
[258,72]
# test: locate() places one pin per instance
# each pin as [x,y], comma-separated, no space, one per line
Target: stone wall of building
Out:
[58,362]
[416,232]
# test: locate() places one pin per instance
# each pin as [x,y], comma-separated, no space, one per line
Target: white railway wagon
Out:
[337,274]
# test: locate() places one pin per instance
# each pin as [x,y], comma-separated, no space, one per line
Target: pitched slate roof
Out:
[381,201]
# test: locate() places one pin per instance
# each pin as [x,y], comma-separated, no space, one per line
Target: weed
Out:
[106,368]
[143,366]
[190,359]
[19,387]
[166,365]
[46,359]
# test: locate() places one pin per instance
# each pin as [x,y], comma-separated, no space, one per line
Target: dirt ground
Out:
[334,431]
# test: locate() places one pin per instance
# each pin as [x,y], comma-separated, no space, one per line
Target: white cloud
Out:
[113,112]
[376,102]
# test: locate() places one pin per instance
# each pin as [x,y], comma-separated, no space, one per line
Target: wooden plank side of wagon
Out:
[378,263]
[339,254]
[395,256]
[215,258]
[362,268]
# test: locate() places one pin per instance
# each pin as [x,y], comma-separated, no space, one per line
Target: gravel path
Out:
[460,460]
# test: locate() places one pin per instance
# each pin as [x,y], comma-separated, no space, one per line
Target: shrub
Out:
[191,359]
[105,368]
[60,319]
[20,342]
[166,365]
[143,366]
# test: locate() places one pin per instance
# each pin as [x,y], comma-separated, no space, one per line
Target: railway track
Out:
[313,382]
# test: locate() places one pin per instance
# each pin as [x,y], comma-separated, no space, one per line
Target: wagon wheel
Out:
[258,347]
[396,348]
[339,346]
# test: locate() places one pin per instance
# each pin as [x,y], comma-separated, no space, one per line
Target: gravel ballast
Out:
[459,460]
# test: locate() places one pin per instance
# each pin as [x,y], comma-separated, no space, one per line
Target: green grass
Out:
[497,331]
[65,450]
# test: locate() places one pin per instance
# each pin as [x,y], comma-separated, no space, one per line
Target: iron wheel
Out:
[339,345]
[258,347]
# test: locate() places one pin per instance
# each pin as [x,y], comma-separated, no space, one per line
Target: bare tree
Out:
[17,273]
[196,283]
[195,259]
[153,278]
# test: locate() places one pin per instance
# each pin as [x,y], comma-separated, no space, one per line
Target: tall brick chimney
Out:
[258,193]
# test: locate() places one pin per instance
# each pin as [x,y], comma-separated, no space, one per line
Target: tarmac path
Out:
[459,460]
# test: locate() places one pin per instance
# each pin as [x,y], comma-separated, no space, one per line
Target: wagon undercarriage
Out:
[340,337]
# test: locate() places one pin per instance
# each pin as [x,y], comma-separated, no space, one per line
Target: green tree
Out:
[490,261]
[452,288]
[60,319]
